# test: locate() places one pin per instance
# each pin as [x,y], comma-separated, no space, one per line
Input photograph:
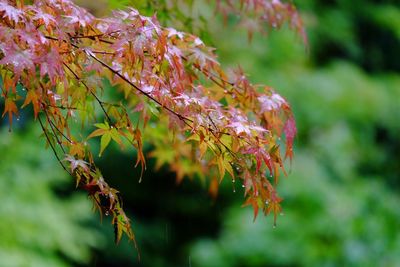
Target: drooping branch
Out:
[222,125]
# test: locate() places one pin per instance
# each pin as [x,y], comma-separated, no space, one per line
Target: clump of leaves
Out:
[222,125]
[262,15]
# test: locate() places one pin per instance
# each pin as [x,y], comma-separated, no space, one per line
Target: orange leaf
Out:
[32,97]
[10,108]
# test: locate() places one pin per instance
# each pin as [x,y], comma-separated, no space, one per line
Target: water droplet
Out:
[18,119]
[274,226]
[266,202]
[234,190]
[233,180]
[243,185]
[106,213]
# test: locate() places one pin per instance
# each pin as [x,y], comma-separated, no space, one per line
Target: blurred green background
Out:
[342,194]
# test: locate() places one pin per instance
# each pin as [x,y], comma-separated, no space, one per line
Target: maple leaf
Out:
[107,134]
[32,97]
[273,102]
[19,59]
[51,64]
[274,206]
[201,55]
[10,108]
[77,163]
[79,16]
[10,12]
[254,202]
[290,132]
[241,126]
[43,18]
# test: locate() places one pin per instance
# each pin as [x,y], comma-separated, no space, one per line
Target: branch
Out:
[52,147]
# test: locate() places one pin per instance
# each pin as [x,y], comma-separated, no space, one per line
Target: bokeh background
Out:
[342,193]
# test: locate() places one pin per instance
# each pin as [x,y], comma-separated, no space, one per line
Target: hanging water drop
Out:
[107,213]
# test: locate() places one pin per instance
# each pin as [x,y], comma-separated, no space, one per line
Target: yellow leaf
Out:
[32,97]
[221,168]
[203,148]
[229,169]
[97,132]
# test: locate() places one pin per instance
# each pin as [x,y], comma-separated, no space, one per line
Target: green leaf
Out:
[115,135]
[105,140]
[221,167]
[104,126]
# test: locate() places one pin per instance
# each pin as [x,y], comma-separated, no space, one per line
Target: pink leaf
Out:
[11,12]
[290,132]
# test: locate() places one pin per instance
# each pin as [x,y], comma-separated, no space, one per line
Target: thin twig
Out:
[52,147]
[52,125]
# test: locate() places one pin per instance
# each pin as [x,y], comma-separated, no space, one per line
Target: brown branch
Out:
[181,117]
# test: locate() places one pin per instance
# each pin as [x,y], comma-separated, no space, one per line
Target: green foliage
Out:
[39,228]
[325,224]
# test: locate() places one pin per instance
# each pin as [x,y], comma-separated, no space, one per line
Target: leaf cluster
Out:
[217,124]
